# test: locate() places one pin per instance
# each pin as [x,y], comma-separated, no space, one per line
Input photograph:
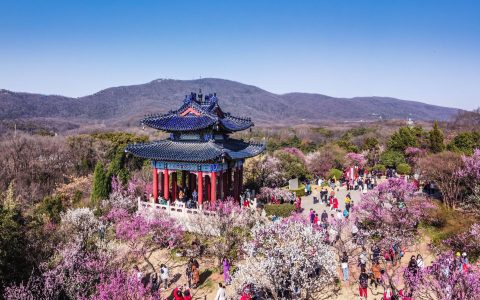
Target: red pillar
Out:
[208,187]
[174,186]
[166,184]
[224,183]
[200,187]
[155,185]
[213,193]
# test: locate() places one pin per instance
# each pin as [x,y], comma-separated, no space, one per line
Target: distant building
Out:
[410,122]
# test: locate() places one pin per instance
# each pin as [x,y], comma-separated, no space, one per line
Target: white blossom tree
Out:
[287,260]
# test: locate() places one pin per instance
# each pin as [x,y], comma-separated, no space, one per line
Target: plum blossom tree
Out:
[468,241]
[79,224]
[225,227]
[121,285]
[267,193]
[323,160]
[442,168]
[263,171]
[295,152]
[391,212]
[145,232]
[470,173]
[287,260]
[355,159]
[471,167]
[413,154]
[445,280]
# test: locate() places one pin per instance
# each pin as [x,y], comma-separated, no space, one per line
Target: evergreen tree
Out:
[435,139]
[101,185]
[405,137]
[14,265]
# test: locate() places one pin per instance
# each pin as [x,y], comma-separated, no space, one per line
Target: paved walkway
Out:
[307,201]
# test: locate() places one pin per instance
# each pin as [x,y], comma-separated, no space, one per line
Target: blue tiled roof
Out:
[168,150]
[210,115]
[178,123]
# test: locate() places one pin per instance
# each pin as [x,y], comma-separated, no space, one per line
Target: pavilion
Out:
[199,150]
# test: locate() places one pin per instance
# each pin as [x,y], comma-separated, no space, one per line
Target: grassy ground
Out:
[445,223]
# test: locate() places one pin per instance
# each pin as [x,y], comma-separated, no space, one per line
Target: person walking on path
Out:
[196,273]
[221,292]
[178,293]
[377,274]
[187,295]
[363,285]
[335,203]
[324,217]
[189,272]
[344,264]
[226,270]
[164,275]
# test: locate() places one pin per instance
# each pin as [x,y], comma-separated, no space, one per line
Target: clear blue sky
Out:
[418,49]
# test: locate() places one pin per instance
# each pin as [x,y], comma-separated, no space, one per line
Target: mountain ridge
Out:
[124,104]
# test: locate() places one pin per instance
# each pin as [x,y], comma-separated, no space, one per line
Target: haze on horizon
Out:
[415,50]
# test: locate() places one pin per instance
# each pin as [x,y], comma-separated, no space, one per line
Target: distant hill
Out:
[125,105]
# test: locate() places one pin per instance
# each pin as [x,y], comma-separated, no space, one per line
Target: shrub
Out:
[379,168]
[403,169]
[335,172]
[280,210]
[392,158]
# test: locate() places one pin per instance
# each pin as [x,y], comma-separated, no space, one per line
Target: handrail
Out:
[172,209]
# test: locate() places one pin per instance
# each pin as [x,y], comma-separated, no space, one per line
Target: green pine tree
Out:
[435,139]
[101,185]
[14,266]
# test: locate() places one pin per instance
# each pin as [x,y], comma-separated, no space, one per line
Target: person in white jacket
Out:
[164,275]
[221,292]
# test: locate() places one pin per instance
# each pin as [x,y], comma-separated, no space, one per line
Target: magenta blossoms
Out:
[295,152]
[471,169]
[391,213]
[120,285]
[277,193]
[355,159]
[446,279]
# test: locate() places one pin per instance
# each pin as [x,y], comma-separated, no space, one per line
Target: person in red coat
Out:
[335,203]
[177,293]
[187,295]
[246,296]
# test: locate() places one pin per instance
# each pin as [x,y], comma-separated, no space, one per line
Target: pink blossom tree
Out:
[263,171]
[355,159]
[391,212]
[445,280]
[389,215]
[267,194]
[120,285]
[470,174]
[146,233]
[413,154]
[322,161]
[468,241]
[295,152]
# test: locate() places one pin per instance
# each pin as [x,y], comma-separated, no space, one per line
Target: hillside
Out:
[125,105]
